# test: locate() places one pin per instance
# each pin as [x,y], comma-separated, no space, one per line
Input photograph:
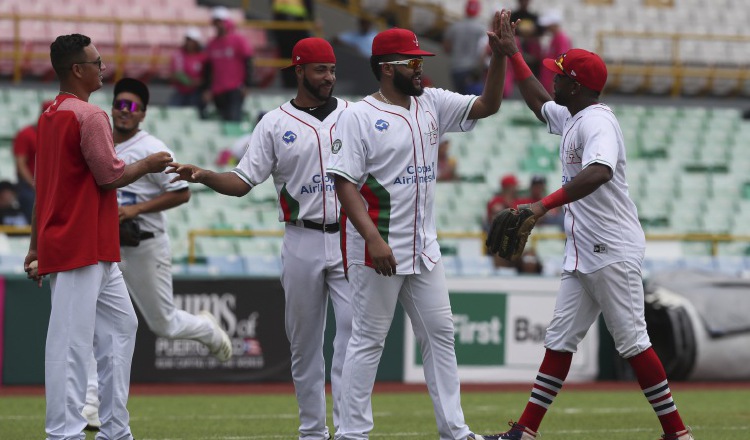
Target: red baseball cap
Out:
[508,180]
[581,65]
[472,8]
[312,50]
[397,40]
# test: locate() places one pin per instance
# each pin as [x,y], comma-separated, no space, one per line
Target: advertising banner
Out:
[499,332]
[252,313]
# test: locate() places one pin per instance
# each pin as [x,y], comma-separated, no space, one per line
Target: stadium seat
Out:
[227,264]
[263,265]
[477,266]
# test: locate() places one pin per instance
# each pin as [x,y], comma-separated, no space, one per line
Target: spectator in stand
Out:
[228,73]
[361,39]
[528,33]
[10,209]
[537,191]
[529,263]
[506,198]
[290,10]
[24,152]
[446,163]
[465,41]
[560,43]
[187,72]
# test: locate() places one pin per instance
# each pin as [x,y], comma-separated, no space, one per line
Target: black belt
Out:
[147,235]
[307,224]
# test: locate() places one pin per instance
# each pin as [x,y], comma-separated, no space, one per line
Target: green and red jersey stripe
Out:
[378,207]
[289,206]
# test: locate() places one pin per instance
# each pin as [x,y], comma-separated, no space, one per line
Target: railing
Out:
[15,230]
[713,239]
[674,65]
[120,55]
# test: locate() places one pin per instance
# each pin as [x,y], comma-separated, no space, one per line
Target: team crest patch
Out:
[382,125]
[336,147]
[289,137]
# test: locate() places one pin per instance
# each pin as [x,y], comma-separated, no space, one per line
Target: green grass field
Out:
[580,415]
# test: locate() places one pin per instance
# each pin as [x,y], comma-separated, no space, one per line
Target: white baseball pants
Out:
[147,269]
[91,311]
[425,299]
[314,272]
[615,291]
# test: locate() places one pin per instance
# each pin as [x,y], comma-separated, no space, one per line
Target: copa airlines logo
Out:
[289,137]
[381,125]
[326,182]
[418,174]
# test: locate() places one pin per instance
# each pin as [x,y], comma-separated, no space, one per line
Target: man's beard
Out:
[316,92]
[405,85]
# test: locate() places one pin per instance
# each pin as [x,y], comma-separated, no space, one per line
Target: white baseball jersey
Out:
[390,153]
[602,228]
[281,145]
[149,186]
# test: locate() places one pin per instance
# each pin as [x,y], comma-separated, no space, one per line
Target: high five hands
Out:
[502,37]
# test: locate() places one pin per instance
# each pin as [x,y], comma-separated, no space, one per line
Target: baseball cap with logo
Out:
[312,50]
[397,41]
[582,66]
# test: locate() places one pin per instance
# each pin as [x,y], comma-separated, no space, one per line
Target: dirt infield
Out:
[146,389]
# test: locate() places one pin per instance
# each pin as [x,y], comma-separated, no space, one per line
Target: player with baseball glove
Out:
[509,231]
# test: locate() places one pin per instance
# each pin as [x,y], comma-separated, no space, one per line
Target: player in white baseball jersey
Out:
[605,243]
[147,268]
[292,143]
[385,165]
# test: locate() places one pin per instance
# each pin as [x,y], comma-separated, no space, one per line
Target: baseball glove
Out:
[130,233]
[509,231]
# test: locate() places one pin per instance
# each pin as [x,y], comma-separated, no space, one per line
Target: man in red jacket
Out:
[75,239]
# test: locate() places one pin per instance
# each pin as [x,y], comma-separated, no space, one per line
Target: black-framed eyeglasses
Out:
[559,63]
[97,62]
[126,104]
[412,63]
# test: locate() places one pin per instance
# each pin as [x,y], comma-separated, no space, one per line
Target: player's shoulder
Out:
[149,144]
[598,112]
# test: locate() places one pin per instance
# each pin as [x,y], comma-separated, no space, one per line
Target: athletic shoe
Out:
[682,435]
[223,351]
[91,414]
[473,436]
[516,432]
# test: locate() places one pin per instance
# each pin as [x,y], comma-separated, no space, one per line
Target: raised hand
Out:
[502,37]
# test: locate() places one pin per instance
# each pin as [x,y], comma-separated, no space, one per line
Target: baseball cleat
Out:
[223,351]
[516,432]
[682,435]
[91,414]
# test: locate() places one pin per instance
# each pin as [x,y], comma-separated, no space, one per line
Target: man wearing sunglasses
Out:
[75,240]
[605,245]
[147,267]
[384,163]
[291,144]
